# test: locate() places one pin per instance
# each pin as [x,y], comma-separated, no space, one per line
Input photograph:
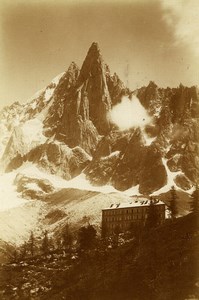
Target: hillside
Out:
[162,265]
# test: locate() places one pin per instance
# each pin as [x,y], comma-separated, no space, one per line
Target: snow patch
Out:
[135,203]
[170,179]
[42,115]
[134,190]
[48,94]
[32,134]
[157,111]
[9,197]
[115,153]
[34,105]
[33,186]
[57,78]
[78,182]
[31,170]
[50,90]
[82,183]
[148,140]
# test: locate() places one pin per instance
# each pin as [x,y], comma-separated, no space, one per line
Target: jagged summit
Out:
[94,52]
[94,46]
[71,126]
[73,66]
[152,84]
[92,64]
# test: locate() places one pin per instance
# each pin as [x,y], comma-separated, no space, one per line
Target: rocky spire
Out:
[92,83]
[73,67]
[92,63]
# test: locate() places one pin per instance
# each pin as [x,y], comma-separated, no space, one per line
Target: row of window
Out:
[132,210]
[125,211]
[118,225]
[129,217]
[121,226]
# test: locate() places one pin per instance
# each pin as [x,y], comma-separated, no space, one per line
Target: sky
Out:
[140,40]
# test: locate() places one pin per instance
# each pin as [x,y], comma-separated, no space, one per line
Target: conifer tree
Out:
[67,238]
[104,230]
[24,251]
[87,237]
[45,243]
[115,237]
[173,203]
[32,244]
[15,255]
[195,200]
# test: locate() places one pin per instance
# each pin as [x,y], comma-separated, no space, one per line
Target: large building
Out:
[122,216]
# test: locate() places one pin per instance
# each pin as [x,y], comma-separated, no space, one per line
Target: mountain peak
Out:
[95,46]
[73,66]
[92,64]
[152,84]
[93,52]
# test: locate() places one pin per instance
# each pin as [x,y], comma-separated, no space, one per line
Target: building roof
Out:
[134,203]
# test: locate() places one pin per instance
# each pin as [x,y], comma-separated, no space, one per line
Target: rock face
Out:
[66,129]
[80,114]
[175,130]
[128,163]
[92,88]
[32,188]
[55,158]
[9,118]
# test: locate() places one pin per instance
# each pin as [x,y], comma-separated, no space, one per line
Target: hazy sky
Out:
[140,40]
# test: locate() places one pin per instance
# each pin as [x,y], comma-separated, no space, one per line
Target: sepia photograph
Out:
[99,150]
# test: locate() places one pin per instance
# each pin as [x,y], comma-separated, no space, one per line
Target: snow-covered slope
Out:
[22,211]
[22,125]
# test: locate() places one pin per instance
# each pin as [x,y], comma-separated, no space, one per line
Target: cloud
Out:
[129,113]
[183,17]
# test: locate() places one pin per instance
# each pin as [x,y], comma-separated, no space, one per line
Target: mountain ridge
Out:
[74,111]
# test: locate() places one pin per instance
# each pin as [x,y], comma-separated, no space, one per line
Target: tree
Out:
[152,216]
[104,230]
[32,243]
[45,243]
[115,237]
[87,237]
[67,238]
[23,251]
[15,255]
[173,203]
[136,230]
[195,200]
